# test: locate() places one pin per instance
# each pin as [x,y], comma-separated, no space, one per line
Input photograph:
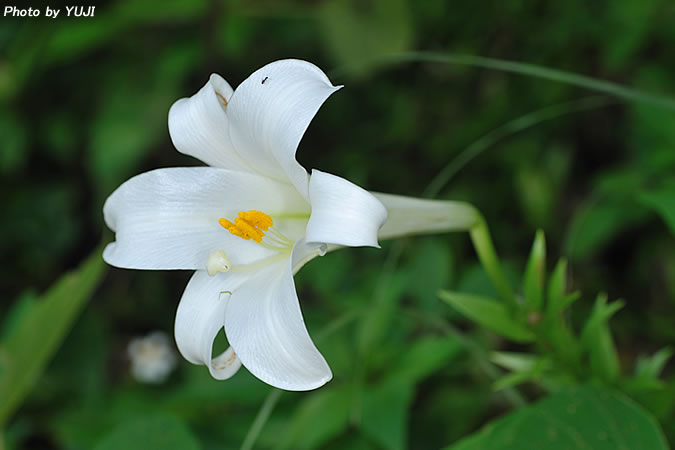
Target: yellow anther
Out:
[257,219]
[247,229]
[248,225]
[225,223]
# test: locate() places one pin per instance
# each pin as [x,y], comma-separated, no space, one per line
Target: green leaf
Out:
[652,366]
[628,26]
[384,413]
[149,432]
[356,33]
[536,193]
[131,118]
[533,282]
[662,201]
[25,352]
[378,318]
[556,299]
[597,339]
[12,318]
[597,223]
[430,267]
[516,362]
[556,289]
[583,418]
[488,313]
[423,357]
[14,150]
[514,379]
[523,366]
[320,417]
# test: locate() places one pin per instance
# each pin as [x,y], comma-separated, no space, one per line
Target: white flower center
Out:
[251,225]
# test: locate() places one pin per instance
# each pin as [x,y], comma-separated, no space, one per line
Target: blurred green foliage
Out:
[83,106]
[573,419]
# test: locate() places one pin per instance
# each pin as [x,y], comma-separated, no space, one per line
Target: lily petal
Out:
[342,212]
[199,127]
[199,319]
[409,215]
[304,252]
[269,113]
[168,218]
[264,325]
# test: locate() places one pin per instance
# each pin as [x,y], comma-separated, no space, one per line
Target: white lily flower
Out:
[250,221]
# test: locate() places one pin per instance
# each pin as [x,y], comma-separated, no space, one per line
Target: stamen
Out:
[281,237]
[257,219]
[248,225]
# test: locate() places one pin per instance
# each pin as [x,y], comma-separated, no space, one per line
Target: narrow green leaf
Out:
[533,282]
[582,418]
[524,367]
[534,71]
[563,341]
[488,313]
[597,340]
[556,328]
[662,201]
[516,362]
[568,299]
[25,352]
[21,307]
[652,366]
[513,379]
[150,432]
[556,289]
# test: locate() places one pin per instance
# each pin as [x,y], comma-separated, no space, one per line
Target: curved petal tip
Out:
[342,212]
[264,324]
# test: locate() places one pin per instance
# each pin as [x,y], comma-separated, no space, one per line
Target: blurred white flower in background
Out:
[152,357]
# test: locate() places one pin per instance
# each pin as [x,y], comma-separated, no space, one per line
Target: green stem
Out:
[482,242]
[532,70]
[511,127]
[261,418]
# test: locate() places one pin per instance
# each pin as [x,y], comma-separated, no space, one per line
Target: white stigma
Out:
[218,262]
